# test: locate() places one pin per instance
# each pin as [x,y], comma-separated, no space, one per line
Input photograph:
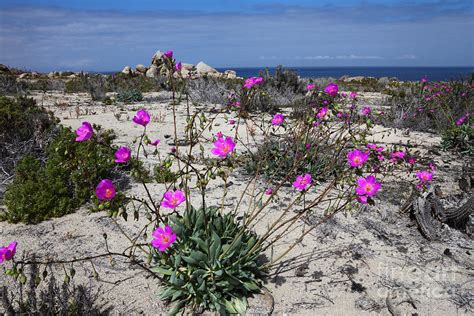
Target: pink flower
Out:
[105,190]
[357,158]
[278,119]
[307,146]
[380,157]
[322,112]
[372,146]
[353,94]
[231,121]
[123,154]
[250,82]
[462,119]
[366,111]
[223,147]
[168,54]
[219,135]
[310,87]
[367,186]
[397,155]
[331,89]
[302,182]
[432,166]
[178,66]
[7,253]
[424,176]
[411,160]
[84,132]
[155,142]
[424,79]
[362,199]
[163,238]
[269,191]
[343,94]
[173,199]
[142,117]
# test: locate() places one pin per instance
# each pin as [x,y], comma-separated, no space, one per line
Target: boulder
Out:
[141,68]
[23,75]
[72,76]
[230,74]
[204,69]
[152,72]
[51,75]
[127,70]
[157,58]
[187,66]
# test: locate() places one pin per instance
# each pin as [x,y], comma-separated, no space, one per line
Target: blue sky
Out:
[107,35]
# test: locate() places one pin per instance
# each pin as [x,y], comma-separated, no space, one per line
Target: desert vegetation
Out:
[241,185]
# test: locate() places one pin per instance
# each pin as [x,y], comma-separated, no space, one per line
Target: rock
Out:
[51,75]
[72,76]
[34,74]
[185,72]
[23,75]
[67,73]
[141,68]
[152,72]
[204,69]
[187,66]
[157,58]
[4,69]
[260,304]
[230,74]
[358,79]
[127,70]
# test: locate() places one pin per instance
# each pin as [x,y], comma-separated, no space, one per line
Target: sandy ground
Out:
[354,264]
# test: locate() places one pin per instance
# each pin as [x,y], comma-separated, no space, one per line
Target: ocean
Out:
[402,73]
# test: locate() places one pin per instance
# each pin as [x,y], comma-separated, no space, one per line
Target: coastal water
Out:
[402,73]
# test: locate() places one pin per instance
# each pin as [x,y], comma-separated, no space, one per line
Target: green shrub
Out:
[459,138]
[163,173]
[64,182]
[130,96]
[215,265]
[285,154]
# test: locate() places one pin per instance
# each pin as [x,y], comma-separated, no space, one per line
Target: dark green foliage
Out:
[21,119]
[9,84]
[213,264]
[130,96]
[65,181]
[459,138]
[277,157]
[163,173]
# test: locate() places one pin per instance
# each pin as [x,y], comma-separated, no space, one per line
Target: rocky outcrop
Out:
[127,70]
[204,69]
[141,68]
[152,72]
[157,58]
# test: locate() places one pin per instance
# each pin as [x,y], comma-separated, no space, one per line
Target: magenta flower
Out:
[250,82]
[223,147]
[322,113]
[173,199]
[424,79]
[353,94]
[424,176]
[163,238]
[142,117]
[168,54]
[362,199]
[462,119]
[155,142]
[397,155]
[302,182]
[366,111]
[269,191]
[343,94]
[278,119]
[178,66]
[105,190]
[357,158]
[123,154]
[372,146]
[84,132]
[219,135]
[231,121]
[367,186]
[310,87]
[411,160]
[331,89]
[7,253]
